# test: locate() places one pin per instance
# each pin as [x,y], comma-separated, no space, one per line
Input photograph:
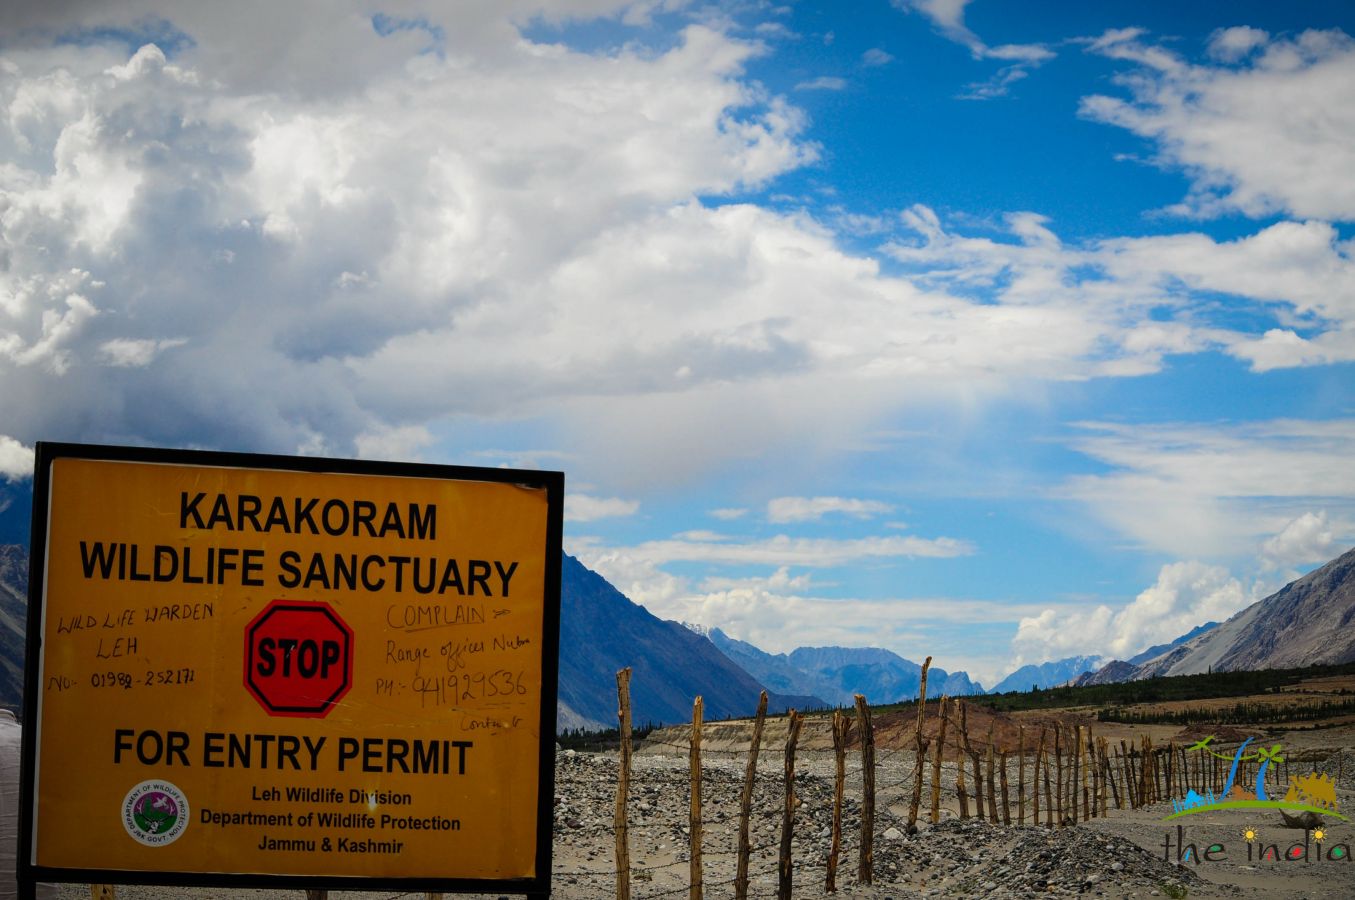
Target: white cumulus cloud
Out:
[1269,127]
[782,610]
[586,508]
[948,17]
[1206,490]
[1185,595]
[809,509]
[1305,539]
[16,460]
[823,83]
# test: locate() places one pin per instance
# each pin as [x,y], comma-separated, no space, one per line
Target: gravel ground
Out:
[1120,856]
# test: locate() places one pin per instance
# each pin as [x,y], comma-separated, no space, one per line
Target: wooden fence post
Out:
[1171,768]
[1117,765]
[1127,761]
[961,745]
[1058,773]
[1086,766]
[623,787]
[694,818]
[1110,773]
[1020,775]
[992,793]
[1093,773]
[920,748]
[840,724]
[938,757]
[746,801]
[1099,790]
[974,759]
[1145,770]
[866,868]
[1146,760]
[1075,752]
[1035,793]
[1048,798]
[1157,774]
[785,867]
[1006,797]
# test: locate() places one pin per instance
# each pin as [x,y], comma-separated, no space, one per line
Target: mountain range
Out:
[16,509]
[1083,669]
[1047,675]
[13,622]
[602,631]
[1307,622]
[837,674]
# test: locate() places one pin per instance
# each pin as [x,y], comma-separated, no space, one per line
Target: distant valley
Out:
[837,674]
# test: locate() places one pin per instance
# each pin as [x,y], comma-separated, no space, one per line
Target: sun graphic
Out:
[1319,834]
[1249,834]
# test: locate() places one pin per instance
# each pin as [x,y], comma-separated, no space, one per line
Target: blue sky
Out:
[995,332]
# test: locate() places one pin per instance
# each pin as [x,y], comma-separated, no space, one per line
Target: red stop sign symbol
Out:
[298,658]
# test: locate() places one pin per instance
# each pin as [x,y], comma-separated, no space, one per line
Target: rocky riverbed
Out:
[961,858]
[1118,856]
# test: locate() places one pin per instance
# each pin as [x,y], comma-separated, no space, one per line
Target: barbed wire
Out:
[668,892]
[885,819]
[1130,761]
[668,865]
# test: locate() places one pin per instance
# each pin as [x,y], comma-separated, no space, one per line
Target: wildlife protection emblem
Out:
[155,813]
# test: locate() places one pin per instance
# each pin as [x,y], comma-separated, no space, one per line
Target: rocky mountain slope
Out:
[881,675]
[602,631]
[1047,675]
[13,623]
[837,674]
[1308,622]
[774,669]
[16,509]
[1159,649]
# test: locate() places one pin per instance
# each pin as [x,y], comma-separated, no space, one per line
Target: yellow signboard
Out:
[255,666]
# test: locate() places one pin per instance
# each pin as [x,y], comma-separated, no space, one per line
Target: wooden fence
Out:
[1065,773]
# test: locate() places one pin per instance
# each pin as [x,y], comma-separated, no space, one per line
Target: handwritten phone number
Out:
[152,678]
[470,686]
